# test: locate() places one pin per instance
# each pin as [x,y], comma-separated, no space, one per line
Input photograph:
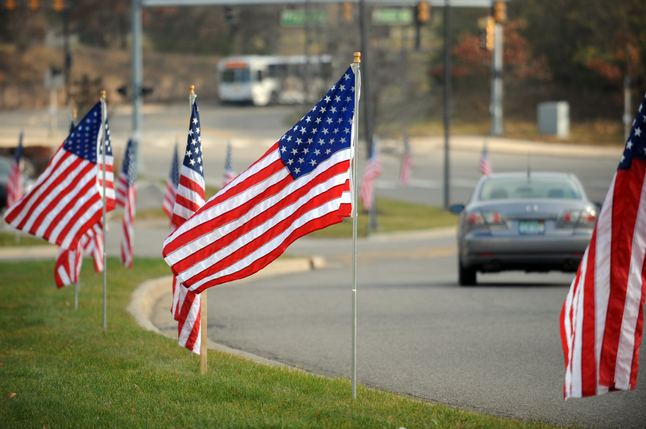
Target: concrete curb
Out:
[23,253]
[149,292]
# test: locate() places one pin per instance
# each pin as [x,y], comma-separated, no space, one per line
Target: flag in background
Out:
[110,199]
[65,201]
[229,172]
[189,198]
[129,208]
[484,166]
[299,185]
[407,163]
[371,171]
[15,187]
[171,185]
[122,185]
[602,316]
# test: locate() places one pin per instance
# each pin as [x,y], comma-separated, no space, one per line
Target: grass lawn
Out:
[65,371]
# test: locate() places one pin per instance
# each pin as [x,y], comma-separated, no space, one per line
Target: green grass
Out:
[392,216]
[8,239]
[67,372]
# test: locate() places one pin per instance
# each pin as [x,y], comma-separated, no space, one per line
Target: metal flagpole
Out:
[355,216]
[104,117]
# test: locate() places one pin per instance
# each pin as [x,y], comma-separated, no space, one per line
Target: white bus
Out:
[263,80]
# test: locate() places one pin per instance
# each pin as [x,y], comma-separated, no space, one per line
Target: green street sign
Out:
[392,16]
[296,17]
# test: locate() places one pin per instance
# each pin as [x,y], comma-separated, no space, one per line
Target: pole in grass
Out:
[77,284]
[104,117]
[355,215]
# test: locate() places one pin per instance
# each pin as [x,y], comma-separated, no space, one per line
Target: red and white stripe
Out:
[92,243]
[253,220]
[127,229]
[371,171]
[63,203]
[67,268]
[169,197]
[122,190]
[602,317]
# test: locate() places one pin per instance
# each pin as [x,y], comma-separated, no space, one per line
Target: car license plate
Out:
[531,227]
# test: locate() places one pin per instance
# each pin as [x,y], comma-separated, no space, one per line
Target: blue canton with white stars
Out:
[193,157]
[636,144]
[82,140]
[324,130]
[129,164]
[174,169]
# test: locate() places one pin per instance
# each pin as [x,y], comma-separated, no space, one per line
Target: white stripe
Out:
[577,311]
[626,347]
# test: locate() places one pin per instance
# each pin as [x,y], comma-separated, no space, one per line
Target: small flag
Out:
[407,164]
[122,185]
[171,185]
[301,184]
[128,233]
[603,314]
[65,201]
[484,166]
[229,172]
[15,187]
[371,171]
[189,198]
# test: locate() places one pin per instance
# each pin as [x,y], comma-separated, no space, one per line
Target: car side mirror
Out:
[456,208]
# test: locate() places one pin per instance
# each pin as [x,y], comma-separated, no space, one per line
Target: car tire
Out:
[466,276]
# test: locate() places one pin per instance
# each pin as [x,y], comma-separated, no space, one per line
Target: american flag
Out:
[484,166]
[301,184]
[602,316]
[110,198]
[371,171]
[65,201]
[15,189]
[92,244]
[229,172]
[407,164]
[171,185]
[128,232]
[68,266]
[122,185]
[189,198]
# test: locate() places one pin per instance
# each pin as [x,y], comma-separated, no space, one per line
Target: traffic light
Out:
[10,4]
[347,12]
[423,12]
[34,5]
[58,5]
[500,12]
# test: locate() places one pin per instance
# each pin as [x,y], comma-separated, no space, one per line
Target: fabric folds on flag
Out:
[67,268]
[484,166]
[371,171]
[15,187]
[602,316]
[122,184]
[189,198]
[407,164]
[171,185]
[299,185]
[92,244]
[65,201]
[229,172]
[130,197]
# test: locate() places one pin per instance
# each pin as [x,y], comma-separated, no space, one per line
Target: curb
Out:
[23,253]
[147,294]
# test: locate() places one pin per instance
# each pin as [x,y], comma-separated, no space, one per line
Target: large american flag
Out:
[602,317]
[171,185]
[189,198]
[15,187]
[407,164]
[484,165]
[122,184]
[65,201]
[371,171]
[127,228]
[299,185]
[229,172]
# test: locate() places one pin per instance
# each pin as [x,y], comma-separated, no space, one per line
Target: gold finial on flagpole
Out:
[74,112]
[191,90]
[357,57]
[103,94]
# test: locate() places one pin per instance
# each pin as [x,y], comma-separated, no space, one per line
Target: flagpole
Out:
[355,216]
[77,285]
[203,298]
[104,117]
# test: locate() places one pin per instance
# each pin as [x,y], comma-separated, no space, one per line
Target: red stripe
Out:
[253,223]
[313,225]
[588,335]
[629,186]
[279,228]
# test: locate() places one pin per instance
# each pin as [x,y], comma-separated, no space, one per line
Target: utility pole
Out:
[137,83]
[447,98]
[500,16]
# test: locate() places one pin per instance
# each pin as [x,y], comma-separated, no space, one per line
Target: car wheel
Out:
[466,276]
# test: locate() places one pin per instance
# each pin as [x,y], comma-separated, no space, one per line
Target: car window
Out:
[500,188]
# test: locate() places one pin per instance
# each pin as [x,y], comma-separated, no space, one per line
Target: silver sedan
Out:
[524,221]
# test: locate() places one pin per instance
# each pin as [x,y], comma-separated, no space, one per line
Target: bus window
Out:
[236,76]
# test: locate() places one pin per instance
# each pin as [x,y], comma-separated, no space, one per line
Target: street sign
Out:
[296,17]
[392,16]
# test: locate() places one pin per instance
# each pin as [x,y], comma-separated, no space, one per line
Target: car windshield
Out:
[500,188]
